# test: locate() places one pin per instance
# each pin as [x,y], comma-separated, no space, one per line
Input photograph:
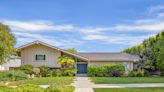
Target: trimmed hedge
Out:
[112,70]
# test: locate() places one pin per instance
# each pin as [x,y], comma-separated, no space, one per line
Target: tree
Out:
[151,52]
[66,62]
[7,43]
[160,59]
[72,50]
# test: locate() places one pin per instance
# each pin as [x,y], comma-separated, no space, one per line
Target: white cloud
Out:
[161,14]
[36,26]
[156,8]
[118,39]
[142,27]
[25,37]
[27,31]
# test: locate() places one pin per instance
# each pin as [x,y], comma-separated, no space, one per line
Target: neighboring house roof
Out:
[109,56]
[53,47]
[91,56]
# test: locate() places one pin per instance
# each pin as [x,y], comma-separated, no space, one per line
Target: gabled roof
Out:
[53,47]
[90,56]
[96,56]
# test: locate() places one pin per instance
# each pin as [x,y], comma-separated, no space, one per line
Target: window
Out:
[40,57]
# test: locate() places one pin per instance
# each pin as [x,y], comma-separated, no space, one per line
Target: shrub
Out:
[113,70]
[147,73]
[69,72]
[36,71]
[29,88]
[162,73]
[137,73]
[12,75]
[4,88]
[28,69]
[140,73]
[116,70]
[132,73]
[44,71]
[98,71]
[59,88]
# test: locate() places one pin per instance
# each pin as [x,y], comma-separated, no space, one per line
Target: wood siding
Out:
[28,56]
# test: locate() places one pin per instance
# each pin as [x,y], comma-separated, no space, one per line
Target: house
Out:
[12,62]
[38,53]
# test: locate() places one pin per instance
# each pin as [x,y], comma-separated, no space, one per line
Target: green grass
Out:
[46,81]
[126,80]
[154,89]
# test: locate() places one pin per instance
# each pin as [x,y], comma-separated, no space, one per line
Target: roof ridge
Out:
[51,46]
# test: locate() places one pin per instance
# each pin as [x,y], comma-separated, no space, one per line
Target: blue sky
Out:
[86,25]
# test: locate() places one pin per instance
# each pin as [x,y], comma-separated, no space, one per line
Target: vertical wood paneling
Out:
[28,56]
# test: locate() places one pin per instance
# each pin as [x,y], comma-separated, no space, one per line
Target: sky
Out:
[85,25]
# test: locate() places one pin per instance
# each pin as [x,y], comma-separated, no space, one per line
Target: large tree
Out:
[151,52]
[7,43]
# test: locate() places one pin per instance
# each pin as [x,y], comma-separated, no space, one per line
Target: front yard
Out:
[126,80]
[154,89]
[56,84]
[45,81]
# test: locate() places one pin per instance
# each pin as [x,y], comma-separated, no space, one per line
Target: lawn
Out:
[126,80]
[154,89]
[45,81]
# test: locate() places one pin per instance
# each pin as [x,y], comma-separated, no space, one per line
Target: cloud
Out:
[118,39]
[161,14]
[156,8]
[141,27]
[25,37]
[36,26]
[28,31]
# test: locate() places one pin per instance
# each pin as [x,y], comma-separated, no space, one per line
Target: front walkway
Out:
[83,84]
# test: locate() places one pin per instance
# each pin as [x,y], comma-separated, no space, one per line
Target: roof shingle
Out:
[109,56]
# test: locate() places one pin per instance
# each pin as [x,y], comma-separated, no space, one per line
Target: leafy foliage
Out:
[151,51]
[60,88]
[137,73]
[66,62]
[29,88]
[44,71]
[72,50]
[28,69]
[13,75]
[36,71]
[7,43]
[113,70]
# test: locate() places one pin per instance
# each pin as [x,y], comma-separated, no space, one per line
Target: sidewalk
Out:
[83,84]
[128,85]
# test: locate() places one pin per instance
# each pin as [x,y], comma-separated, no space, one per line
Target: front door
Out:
[81,68]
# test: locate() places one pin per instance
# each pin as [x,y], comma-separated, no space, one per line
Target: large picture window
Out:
[40,57]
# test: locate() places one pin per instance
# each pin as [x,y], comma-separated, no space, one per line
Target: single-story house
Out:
[38,53]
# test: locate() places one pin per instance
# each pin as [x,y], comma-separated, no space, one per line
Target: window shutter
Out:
[35,57]
[44,57]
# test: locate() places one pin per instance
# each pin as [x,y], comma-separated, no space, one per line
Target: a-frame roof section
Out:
[53,47]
